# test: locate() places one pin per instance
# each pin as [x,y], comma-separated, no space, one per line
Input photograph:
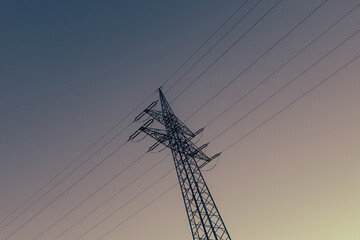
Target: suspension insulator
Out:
[139,116]
[199,131]
[153,104]
[134,135]
[154,146]
[215,156]
[148,123]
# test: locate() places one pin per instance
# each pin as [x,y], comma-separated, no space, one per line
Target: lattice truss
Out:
[204,217]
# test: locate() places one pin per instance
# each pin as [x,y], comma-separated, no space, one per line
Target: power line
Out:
[232,125]
[66,176]
[203,44]
[72,162]
[296,100]
[106,201]
[227,50]
[254,62]
[216,43]
[249,92]
[237,141]
[67,189]
[110,130]
[138,211]
[278,69]
[287,84]
[102,204]
[95,143]
[290,104]
[132,199]
[91,195]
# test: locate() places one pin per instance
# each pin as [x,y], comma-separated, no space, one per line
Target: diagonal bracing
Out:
[203,215]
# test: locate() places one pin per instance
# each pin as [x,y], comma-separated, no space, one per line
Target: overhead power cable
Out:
[129,201]
[70,164]
[274,72]
[290,104]
[226,51]
[91,195]
[251,89]
[66,176]
[102,204]
[254,62]
[130,113]
[262,103]
[138,211]
[233,144]
[232,125]
[204,43]
[103,136]
[287,84]
[215,44]
[66,190]
[296,100]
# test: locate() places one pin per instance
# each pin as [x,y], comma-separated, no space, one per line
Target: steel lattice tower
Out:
[204,217]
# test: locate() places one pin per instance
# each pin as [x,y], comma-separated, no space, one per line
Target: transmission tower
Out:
[204,217]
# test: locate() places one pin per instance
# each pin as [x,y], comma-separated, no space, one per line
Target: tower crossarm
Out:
[158,116]
[196,152]
[158,134]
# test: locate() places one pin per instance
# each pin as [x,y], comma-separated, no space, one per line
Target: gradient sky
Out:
[70,70]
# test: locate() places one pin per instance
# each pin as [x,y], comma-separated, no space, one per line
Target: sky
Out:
[72,70]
